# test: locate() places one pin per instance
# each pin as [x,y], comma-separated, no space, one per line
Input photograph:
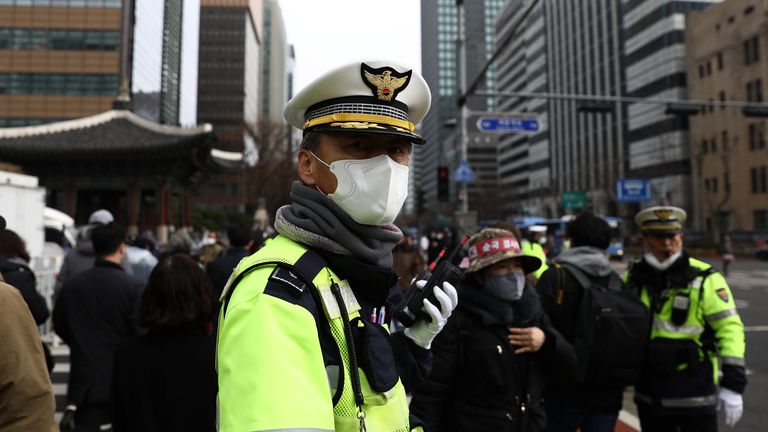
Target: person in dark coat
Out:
[488,370]
[590,407]
[166,380]
[219,269]
[82,257]
[94,311]
[14,266]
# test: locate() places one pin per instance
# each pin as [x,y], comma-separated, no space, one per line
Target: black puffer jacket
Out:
[478,383]
[16,272]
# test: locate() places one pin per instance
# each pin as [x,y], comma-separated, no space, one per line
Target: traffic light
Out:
[442,183]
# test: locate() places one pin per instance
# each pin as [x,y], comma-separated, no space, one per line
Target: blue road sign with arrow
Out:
[464,173]
[509,124]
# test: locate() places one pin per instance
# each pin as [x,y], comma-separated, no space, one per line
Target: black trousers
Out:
[650,422]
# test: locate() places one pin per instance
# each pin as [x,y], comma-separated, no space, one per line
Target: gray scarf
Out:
[315,220]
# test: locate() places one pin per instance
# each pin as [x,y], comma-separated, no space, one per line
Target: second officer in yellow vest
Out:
[695,333]
[303,340]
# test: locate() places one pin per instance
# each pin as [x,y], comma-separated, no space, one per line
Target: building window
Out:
[709,68]
[755,91]
[724,134]
[751,50]
[719,61]
[760,218]
[701,71]
[759,179]
[704,146]
[749,9]
[763,179]
[722,100]
[713,145]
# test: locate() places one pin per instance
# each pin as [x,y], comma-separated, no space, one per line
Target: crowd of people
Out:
[307,331]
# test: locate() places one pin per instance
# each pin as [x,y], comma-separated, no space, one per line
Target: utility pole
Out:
[462,42]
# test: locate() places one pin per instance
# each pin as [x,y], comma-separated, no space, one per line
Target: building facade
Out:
[729,154]
[58,62]
[228,88]
[654,50]
[440,67]
[61,60]
[559,48]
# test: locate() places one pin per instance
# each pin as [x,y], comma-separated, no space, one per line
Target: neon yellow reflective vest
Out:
[711,309]
[535,249]
[270,362]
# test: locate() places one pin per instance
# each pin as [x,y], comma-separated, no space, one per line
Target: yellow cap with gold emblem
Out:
[661,220]
[369,96]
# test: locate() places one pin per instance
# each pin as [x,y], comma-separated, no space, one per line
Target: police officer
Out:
[532,246]
[696,333]
[303,341]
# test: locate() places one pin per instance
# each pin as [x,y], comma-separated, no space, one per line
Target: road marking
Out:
[741,304]
[759,328]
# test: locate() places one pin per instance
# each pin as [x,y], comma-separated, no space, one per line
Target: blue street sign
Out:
[633,190]
[509,124]
[464,173]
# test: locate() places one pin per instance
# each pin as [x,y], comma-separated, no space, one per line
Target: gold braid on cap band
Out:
[344,117]
[660,227]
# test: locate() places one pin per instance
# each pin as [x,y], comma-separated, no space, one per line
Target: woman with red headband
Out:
[488,360]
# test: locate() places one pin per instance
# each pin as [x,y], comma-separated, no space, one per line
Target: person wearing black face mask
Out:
[489,359]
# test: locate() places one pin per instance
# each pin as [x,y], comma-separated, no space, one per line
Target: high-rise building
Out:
[655,67]
[524,160]
[577,150]
[228,87]
[276,59]
[159,74]
[61,59]
[726,61]
[440,57]
[58,62]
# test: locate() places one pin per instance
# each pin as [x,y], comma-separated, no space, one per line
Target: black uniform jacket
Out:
[477,382]
[94,311]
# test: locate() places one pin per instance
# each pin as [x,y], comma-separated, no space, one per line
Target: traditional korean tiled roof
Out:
[111,134]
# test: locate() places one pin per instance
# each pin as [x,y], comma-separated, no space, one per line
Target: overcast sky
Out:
[329,33]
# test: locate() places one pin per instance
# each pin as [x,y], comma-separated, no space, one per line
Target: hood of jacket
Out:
[12,264]
[84,245]
[590,260]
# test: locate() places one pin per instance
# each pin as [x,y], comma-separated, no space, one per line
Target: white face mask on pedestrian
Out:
[371,191]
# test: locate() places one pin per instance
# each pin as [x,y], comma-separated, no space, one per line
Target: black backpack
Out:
[611,333]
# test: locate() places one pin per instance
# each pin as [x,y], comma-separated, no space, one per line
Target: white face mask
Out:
[372,191]
[659,265]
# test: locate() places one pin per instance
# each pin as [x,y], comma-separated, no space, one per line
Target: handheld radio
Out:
[442,269]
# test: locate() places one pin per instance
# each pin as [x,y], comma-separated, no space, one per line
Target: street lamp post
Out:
[464,137]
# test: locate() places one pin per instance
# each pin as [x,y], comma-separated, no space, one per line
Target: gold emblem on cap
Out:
[385,82]
[663,215]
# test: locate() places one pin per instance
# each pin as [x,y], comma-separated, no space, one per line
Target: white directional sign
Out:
[509,123]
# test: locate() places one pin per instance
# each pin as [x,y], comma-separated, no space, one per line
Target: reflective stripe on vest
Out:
[668,326]
[690,402]
[734,361]
[720,315]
